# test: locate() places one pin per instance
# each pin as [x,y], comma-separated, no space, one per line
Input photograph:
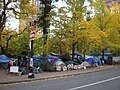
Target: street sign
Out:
[32,32]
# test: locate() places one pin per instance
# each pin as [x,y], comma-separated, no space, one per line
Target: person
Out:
[9,65]
[24,61]
[19,60]
[101,59]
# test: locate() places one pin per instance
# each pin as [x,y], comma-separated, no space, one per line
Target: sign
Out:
[31,62]
[32,32]
[14,69]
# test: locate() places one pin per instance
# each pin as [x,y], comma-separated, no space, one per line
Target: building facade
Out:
[107,2]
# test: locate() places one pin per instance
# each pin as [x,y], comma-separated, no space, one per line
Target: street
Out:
[102,80]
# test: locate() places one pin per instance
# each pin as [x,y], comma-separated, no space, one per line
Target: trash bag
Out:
[31,75]
[4,66]
[69,62]
[86,64]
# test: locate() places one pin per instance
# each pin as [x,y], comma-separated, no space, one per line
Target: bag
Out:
[31,75]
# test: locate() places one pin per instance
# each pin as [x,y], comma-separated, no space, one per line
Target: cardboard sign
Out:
[14,69]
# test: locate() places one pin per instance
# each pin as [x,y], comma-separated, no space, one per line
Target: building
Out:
[108,2]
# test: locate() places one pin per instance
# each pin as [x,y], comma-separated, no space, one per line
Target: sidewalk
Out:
[12,79]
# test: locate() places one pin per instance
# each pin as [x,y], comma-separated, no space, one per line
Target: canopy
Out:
[4,59]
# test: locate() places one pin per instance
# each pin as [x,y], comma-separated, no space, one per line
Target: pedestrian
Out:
[24,61]
[19,60]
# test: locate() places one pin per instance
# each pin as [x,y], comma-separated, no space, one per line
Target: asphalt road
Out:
[103,80]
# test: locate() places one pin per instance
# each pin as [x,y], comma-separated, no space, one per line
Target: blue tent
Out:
[4,59]
[55,60]
[37,56]
[90,60]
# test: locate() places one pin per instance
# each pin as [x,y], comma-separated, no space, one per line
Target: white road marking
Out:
[94,83]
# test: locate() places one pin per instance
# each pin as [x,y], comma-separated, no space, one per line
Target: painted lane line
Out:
[94,83]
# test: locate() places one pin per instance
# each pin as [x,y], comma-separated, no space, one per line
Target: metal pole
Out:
[31,53]
[33,28]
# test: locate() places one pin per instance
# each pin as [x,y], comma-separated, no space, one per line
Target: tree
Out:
[16,11]
[113,33]
[101,20]
[67,25]
[46,7]
[59,21]
[3,18]
[19,44]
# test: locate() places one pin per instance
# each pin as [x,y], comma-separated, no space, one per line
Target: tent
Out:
[37,56]
[90,60]
[4,59]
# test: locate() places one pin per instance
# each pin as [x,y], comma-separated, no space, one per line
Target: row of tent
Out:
[55,62]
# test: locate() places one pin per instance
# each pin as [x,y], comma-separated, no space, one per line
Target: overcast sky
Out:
[14,23]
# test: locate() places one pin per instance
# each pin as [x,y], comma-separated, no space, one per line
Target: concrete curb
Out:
[66,74]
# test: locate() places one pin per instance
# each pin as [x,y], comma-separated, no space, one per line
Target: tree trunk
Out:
[84,47]
[73,51]
[60,50]
[103,54]
[47,9]
[7,45]
[2,51]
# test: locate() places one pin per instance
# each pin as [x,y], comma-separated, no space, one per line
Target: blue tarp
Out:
[98,60]
[90,60]
[4,59]
[94,60]
[55,60]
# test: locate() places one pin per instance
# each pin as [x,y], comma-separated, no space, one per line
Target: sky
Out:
[14,23]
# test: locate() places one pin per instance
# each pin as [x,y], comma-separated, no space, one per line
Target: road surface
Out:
[102,80]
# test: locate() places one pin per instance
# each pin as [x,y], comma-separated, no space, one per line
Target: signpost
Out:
[32,38]
[32,30]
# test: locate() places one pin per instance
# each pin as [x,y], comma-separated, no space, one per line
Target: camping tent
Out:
[4,59]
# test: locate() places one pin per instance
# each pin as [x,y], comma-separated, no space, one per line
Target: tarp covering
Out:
[65,57]
[4,59]
[56,61]
[37,56]
[90,60]
[87,56]
[97,59]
